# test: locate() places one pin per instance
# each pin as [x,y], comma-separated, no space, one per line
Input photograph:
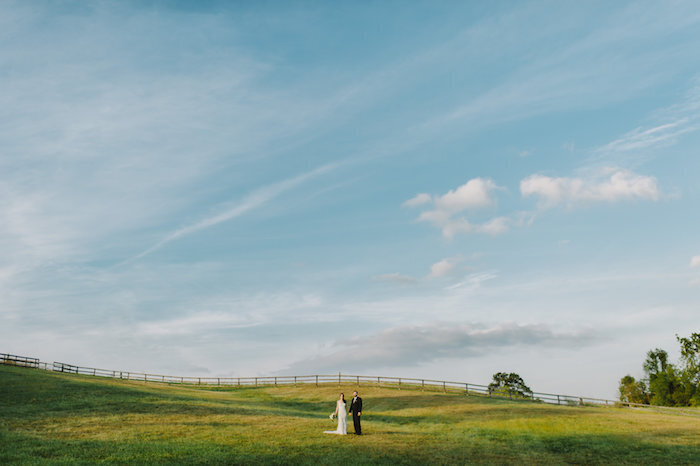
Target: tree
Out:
[668,384]
[656,362]
[633,391]
[690,355]
[510,383]
[662,376]
[689,383]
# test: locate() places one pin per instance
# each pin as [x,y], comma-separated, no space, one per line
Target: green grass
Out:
[66,419]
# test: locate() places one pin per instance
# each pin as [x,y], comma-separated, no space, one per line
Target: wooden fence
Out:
[14,360]
[399,383]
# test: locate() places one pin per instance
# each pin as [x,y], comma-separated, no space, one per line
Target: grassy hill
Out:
[57,418]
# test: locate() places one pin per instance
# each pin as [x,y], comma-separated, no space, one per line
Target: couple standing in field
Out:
[355,409]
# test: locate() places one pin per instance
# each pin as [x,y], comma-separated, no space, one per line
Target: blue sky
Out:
[441,191]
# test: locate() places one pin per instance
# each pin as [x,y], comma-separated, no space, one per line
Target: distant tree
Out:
[633,391]
[690,355]
[656,362]
[689,389]
[510,383]
[662,376]
[668,384]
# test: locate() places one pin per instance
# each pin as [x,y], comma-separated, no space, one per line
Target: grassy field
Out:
[54,418]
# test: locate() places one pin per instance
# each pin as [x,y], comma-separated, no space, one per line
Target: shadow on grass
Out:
[390,409]
[31,394]
[477,446]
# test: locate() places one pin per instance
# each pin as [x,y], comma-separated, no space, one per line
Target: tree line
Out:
[667,384]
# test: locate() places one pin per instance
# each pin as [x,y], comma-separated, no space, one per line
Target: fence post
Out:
[379,384]
[444,386]
[239,382]
[466,389]
[218,381]
[358,380]
[339,379]
[256,381]
[317,381]
[275,381]
[422,385]
[399,383]
[182,380]
[295,380]
[558,401]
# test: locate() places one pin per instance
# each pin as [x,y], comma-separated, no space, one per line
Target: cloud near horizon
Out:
[409,345]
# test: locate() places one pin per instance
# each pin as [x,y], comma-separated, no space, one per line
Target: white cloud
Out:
[474,194]
[418,199]
[451,227]
[695,261]
[495,226]
[615,185]
[444,267]
[477,193]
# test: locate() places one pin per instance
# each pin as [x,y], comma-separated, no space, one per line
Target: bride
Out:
[342,417]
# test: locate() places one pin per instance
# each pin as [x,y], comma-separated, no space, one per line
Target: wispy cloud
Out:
[394,277]
[254,200]
[641,138]
[666,128]
[224,313]
[473,281]
[410,345]
[695,261]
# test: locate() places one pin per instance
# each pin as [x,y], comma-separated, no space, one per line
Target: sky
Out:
[428,189]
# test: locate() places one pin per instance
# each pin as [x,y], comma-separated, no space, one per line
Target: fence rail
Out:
[14,360]
[400,383]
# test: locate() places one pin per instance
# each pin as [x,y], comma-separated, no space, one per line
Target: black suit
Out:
[356,409]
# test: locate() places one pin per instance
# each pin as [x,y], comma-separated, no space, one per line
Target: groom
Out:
[356,410]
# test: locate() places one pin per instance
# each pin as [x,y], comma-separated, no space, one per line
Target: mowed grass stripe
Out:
[59,418]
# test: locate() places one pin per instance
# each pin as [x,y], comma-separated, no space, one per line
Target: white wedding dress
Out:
[342,420]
